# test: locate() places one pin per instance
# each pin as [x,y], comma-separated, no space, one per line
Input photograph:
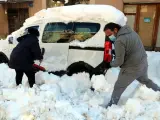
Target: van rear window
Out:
[84,31]
[63,33]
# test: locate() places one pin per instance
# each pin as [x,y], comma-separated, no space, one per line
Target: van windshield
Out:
[63,33]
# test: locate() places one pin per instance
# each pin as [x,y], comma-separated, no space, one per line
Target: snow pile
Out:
[45,78]
[70,98]
[100,84]
[146,94]
[115,113]
[5,79]
[154,69]
[3,44]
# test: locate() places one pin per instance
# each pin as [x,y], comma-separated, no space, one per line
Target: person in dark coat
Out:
[24,54]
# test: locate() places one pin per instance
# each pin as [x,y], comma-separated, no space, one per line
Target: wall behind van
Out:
[141,1]
[31,10]
[37,6]
[3,23]
[116,3]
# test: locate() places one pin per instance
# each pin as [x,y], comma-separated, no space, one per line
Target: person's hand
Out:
[113,52]
[107,64]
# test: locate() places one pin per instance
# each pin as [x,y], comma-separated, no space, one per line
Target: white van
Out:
[70,34]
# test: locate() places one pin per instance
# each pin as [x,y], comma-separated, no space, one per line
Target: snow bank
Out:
[5,79]
[69,98]
[3,44]
[100,84]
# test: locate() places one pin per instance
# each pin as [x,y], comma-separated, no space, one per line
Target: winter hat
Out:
[33,31]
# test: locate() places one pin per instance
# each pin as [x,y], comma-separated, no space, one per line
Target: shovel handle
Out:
[40,62]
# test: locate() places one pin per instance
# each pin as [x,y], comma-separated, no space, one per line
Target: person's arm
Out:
[36,51]
[120,53]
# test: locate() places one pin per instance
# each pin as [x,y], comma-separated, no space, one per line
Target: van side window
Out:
[84,31]
[53,32]
[65,33]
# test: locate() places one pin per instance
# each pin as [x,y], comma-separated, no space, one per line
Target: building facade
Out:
[144,17]
[14,12]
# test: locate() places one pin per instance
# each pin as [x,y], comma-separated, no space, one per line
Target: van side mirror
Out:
[43,51]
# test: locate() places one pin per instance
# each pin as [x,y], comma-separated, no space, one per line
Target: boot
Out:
[110,104]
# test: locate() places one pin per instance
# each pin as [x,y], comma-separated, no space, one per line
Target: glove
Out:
[113,52]
[107,65]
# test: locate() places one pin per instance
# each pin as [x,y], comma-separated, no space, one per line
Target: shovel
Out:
[39,67]
[42,52]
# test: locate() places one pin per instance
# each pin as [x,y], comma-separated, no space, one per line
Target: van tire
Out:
[3,58]
[79,67]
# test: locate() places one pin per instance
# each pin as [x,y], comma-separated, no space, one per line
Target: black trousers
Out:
[29,74]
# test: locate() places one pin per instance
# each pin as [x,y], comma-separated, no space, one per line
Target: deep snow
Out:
[69,98]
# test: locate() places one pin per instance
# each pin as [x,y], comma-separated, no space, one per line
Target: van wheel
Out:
[78,67]
[3,58]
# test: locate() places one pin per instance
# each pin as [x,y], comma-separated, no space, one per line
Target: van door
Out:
[91,36]
[55,42]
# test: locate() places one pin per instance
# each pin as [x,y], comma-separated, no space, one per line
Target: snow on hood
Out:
[69,98]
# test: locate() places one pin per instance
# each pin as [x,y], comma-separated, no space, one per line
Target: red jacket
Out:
[108,51]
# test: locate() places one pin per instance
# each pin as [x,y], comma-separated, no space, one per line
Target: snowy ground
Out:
[69,98]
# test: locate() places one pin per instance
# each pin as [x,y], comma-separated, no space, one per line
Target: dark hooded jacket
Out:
[27,50]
